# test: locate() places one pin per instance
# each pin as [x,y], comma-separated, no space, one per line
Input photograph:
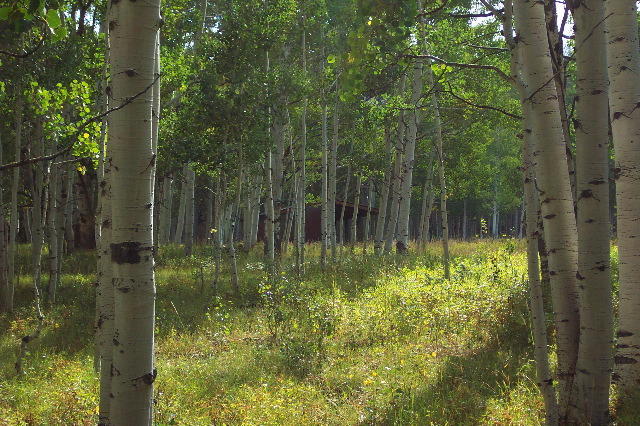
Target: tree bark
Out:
[409,159]
[132,36]
[356,210]
[189,212]
[624,97]
[536,302]
[384,199]
[554,188]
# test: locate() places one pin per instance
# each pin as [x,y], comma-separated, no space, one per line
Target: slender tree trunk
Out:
[536,302]
[6,303]
[356,210]
[52,236]
[624,97]
[345,197]
[165,210]
[35,182]
[592,165]
[15,183]
[441,171]
[332,181]
[555,190]
[396,183]
[494,215]
[270,217]
[324,214]
[189,212]
[132,35]
[384,199]
[464,220]
[367,223]
[182,207]
[105,298]
[217,236]
[68,210]
[414,119]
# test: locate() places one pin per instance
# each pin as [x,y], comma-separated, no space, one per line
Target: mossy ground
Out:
[368,341]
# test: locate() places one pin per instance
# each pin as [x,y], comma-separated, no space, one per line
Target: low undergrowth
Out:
[368,341]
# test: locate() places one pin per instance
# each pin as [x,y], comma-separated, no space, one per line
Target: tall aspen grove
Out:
[319,212]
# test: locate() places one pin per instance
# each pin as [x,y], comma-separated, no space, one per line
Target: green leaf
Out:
[59,33]
[4,12]
[53,19]
[331,59]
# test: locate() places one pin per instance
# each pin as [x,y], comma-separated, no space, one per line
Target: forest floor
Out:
[369,341]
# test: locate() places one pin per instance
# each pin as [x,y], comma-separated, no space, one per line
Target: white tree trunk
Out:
[384,199]
[6,303]
[165,210]
[536,302]
[356,211]
[624,98]
[396,185]
[553,181]
[367,223]
[132,35]
[332,182]
[189,212]
[15,183]
[414,118]
[324,214]
[182,207]
[592,167]
[345,197]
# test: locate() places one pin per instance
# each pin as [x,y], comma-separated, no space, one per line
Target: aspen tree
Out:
[536,302]
[189,212]
[367,223]
[594,363]
[356,210]
[554,188]
[182,207]
[165,211]
[5,284]
[414,118]
[15,183]
[396,183]
[133,28]
[324,214]
[624,97]
[384,199]
[332,181]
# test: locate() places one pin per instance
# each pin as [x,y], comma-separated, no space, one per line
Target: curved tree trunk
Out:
[554,184]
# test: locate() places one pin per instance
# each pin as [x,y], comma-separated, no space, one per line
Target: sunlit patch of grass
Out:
[369,340]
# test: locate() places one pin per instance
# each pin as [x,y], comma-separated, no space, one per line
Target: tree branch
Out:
[479,106]
[497,70]
[81,127]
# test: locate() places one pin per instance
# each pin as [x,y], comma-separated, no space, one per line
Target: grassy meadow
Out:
[375,341]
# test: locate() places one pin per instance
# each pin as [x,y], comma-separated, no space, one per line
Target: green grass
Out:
[370,341]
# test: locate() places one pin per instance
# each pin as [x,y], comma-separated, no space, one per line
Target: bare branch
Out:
[480,106]
[497,70]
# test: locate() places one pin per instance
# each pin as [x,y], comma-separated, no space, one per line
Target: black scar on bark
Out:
[550,216]
[126,252]
[624,333]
